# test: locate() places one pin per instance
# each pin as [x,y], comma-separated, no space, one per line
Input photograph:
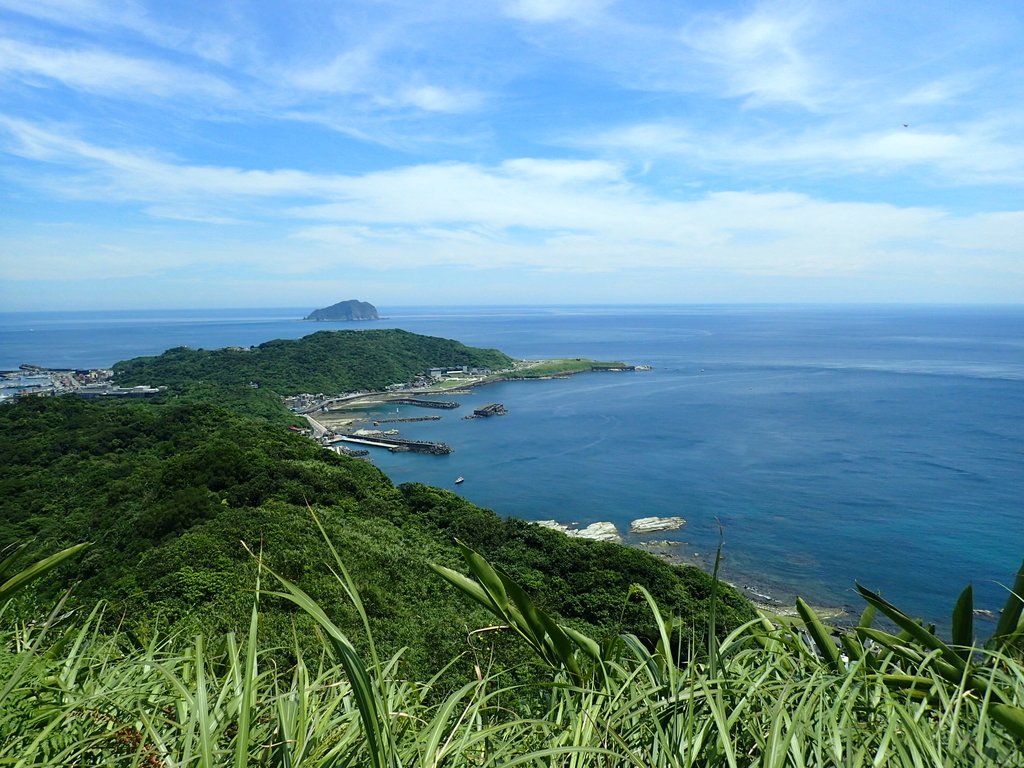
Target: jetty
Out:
[405,418]
[396,444]
[424,403]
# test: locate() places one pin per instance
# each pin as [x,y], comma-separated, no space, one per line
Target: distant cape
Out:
[346,310]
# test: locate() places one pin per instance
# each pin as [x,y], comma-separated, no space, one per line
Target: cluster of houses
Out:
[309,402]
[90,383]
[435,375]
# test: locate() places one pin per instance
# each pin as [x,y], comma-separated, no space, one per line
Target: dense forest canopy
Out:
[168,493]
[327,361]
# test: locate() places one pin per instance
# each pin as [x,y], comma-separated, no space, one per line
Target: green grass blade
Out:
[468,587]
[666,663]
[590,646]
[248,692]
[27,656]
[1011,718]
[202,707]
[914,630]
[11,555]
[21,579]
[377,735]
[713,659]
[1010,616]
[350,589]
[486,575]
[822,639]
[962,633]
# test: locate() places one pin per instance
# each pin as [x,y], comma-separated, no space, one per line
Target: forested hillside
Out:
[168,493]
[327,361]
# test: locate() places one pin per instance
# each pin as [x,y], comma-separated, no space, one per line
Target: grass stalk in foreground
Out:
[767,696]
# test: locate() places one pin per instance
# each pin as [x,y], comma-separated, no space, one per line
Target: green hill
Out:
[168,493]
[327,361]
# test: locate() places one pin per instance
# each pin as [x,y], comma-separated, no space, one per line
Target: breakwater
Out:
[405,419]
[446,404]
[397,444]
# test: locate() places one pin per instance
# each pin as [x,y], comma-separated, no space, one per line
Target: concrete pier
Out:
[424,403]
[396,444]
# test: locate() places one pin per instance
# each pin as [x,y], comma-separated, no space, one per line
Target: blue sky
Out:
[227,154]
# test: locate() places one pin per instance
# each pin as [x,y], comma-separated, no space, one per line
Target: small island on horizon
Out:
[353,309]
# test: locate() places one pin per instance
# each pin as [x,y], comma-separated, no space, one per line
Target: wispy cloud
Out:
[555,10]
[431,98]
[81,13]
[983,152]
[347,72]
[132,18]
[525,212]
[761,56]
[99,71]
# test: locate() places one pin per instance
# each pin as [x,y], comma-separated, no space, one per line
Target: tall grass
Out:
[765,696]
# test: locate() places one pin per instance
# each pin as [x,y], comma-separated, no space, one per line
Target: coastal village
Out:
[88,383]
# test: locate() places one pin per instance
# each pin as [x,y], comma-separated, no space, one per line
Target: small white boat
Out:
[460,479]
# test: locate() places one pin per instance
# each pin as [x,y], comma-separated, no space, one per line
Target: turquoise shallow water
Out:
[825,446]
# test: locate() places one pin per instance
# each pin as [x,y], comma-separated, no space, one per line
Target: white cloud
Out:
[941,91]
[79,13]
[555,10]
[982,152]
[526,213]
[431,98]
[176,213]
[761,56]
[360,72]
[563,171]
[115,174]
[347,72]
[657,139]
[134,19]
[99,71]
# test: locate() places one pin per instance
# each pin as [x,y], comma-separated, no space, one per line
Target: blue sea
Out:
[820,446]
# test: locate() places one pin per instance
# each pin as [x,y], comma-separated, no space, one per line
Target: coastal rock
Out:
[554,525]
[595,531]
[346,310]
[599,532]
[652,524]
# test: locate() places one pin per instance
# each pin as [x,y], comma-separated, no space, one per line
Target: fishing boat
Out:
[460,479]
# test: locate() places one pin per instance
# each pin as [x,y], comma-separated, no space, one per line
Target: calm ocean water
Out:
[825,445]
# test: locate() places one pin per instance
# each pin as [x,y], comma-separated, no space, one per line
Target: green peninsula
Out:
[326,361]
[252,380]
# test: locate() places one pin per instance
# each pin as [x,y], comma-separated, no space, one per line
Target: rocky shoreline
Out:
[670,551]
